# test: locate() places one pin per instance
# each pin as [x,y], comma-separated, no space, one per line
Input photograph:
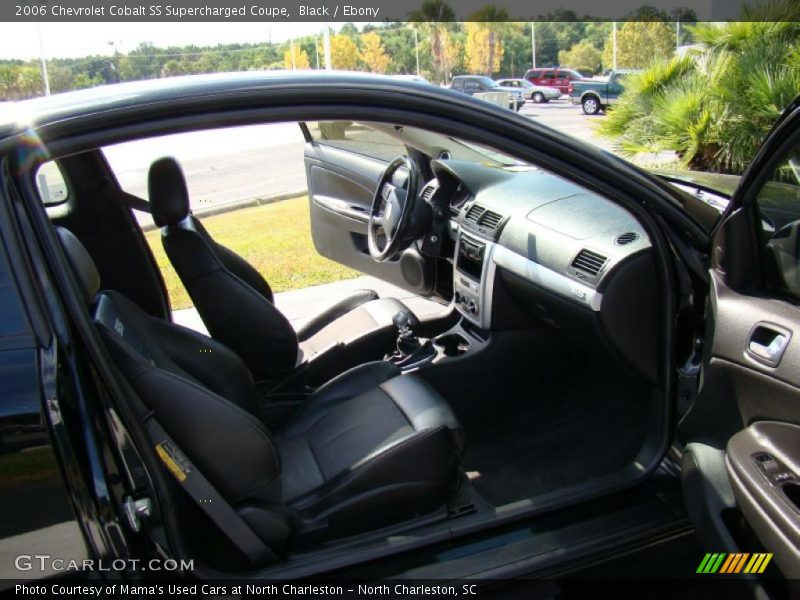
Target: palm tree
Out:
[432,18]
[713,107]
[495,22]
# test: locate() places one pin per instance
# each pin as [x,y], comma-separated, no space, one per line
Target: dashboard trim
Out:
[547,278]
[485,291]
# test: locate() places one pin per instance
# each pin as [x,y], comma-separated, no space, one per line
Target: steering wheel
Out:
[390,214]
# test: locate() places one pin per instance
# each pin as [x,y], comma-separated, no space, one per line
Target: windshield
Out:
[493,155]
[487,81]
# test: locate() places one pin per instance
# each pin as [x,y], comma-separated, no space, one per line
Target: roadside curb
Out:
[219,209]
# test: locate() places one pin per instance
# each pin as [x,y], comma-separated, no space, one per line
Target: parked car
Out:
[536,93]
[481,84]
[557,77]
[597,95]
[611,388]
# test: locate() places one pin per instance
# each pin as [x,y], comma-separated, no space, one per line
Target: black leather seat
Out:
[369,448]
[236,303]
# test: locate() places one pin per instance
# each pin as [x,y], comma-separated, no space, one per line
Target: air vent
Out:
[589,262]
[474,213]
[490,220]
[626,238]
[427,192]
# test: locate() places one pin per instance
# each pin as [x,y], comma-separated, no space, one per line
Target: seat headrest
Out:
[83,266]
[169,198]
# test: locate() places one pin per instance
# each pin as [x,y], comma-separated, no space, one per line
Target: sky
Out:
[74,40]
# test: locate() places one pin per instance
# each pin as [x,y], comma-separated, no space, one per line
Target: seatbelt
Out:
[106,192]
[132,202]
[205,495]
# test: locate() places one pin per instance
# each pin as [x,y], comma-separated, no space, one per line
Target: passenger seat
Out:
[370,448]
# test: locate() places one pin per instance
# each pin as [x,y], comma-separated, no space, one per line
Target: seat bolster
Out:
[229,445]
[351,301]
[409,478]
[348,385]
[420,403]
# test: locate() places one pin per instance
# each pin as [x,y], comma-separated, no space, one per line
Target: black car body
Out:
[718,355]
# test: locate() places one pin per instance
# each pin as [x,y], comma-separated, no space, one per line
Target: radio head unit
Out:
[473,279]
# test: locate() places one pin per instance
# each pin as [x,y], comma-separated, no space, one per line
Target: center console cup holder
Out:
[452,344]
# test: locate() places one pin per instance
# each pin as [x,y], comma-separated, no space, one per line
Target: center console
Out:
[473,278]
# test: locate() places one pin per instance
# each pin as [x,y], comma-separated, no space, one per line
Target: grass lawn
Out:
[275,239]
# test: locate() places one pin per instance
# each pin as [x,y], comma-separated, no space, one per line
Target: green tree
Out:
[29,81]
[486,29]
[639,43]
[582,54]
[432,19]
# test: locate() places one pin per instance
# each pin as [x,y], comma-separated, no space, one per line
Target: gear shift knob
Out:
[401,319]
[404,321]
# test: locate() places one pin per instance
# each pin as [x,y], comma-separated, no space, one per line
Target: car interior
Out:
[539,383]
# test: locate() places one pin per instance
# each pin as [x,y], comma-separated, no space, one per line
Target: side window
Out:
[458,84]
[778,204]
[51,184]
[357,138]
[535,75]
[550,75]
[473,86]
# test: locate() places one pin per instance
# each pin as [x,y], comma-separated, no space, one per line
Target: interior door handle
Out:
[767,343]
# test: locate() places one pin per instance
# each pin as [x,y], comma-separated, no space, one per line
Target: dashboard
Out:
[564,255]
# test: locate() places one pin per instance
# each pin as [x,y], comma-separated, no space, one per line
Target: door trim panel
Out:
[763,499]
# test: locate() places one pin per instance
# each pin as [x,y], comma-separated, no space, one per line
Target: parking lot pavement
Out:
[567,118]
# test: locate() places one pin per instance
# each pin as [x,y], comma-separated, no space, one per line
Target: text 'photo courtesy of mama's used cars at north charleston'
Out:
[564,362]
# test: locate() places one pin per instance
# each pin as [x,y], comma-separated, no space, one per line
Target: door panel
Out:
[340,189]
[741,460]
[763,464]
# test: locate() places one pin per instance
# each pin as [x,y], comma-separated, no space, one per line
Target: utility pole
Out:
[614,40]
[677,34]
[416,48]
[115,63]
[291,49]
[533,44]
[45,78]
[327,48]
[316,50]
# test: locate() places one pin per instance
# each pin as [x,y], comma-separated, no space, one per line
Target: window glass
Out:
[221,165]
[550,75]
[535,75]
[51,185]
[778,204]
[357,138]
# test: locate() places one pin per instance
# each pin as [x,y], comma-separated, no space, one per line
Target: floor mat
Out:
[561,440]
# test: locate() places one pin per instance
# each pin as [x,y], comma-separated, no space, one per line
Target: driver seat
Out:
[236,303]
